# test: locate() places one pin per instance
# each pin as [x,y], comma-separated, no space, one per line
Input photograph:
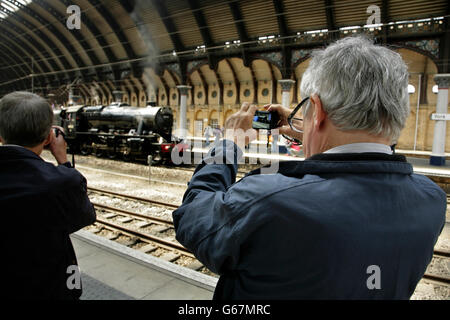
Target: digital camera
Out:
[58,132]
[265,120]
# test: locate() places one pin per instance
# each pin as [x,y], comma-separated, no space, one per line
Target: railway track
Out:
[141,220]
[442,279]
[239,175]
[145,236]
[130,197]
[437,278]
[137,230]
[150,234]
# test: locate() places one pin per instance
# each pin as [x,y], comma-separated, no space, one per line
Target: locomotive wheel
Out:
[157,162]
[157,159]
[85,151]
[127,157]
[99,153]
[111,155]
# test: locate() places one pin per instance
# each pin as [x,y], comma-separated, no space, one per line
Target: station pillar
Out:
[71,95]
[438,152]
[183,109]
[286,85]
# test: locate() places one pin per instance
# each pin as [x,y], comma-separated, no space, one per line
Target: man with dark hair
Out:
[41,204]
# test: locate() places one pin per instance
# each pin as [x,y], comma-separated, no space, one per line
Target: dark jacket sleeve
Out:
[203,221]
[73,204]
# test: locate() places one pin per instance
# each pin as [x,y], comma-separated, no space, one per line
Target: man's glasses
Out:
[295,120]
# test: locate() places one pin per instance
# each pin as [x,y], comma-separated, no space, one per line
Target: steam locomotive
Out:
[118,130]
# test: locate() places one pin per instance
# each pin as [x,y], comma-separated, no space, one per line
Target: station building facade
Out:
[214,95]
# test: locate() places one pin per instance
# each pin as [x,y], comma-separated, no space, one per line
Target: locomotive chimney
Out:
[74,99]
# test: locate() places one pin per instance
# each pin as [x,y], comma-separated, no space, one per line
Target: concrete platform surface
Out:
[107,275]
[422,166]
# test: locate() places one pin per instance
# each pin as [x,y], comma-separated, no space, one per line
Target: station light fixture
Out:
[411,89]
[11,7]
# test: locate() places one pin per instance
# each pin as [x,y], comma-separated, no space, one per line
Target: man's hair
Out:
[362,86]
[25,119]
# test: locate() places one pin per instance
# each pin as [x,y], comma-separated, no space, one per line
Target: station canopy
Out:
[41,37]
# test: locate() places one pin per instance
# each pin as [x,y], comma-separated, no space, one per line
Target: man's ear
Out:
[49,138]
[319,115]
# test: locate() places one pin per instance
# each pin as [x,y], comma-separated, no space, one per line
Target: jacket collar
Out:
[332,163]
[361,156]
[13,152]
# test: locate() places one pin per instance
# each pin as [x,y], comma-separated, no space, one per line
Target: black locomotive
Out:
[118,131]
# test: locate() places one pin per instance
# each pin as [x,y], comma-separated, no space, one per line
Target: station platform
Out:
[418,153]
[422,166]
[419,160]
[111,271]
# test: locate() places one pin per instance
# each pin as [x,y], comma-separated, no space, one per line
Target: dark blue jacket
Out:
[314,229]
[40,205]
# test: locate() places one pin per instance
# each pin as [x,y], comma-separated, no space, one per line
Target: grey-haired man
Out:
[352,221]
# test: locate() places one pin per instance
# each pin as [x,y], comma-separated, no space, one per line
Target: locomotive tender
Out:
[118,130]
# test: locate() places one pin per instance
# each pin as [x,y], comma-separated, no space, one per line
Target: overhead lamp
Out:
[411,89]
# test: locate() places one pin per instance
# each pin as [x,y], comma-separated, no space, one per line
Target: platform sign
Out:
[440,116]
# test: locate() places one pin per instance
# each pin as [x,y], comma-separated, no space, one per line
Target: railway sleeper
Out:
[143,224]
[128,241]
[113,235]
[125,220]
[170,256]
[161,228]
[148,248]
[195,265]
[110,215]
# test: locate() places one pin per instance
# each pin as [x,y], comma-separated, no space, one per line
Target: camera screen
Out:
[262,120]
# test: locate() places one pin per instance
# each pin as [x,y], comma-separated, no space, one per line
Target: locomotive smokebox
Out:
[157,119]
